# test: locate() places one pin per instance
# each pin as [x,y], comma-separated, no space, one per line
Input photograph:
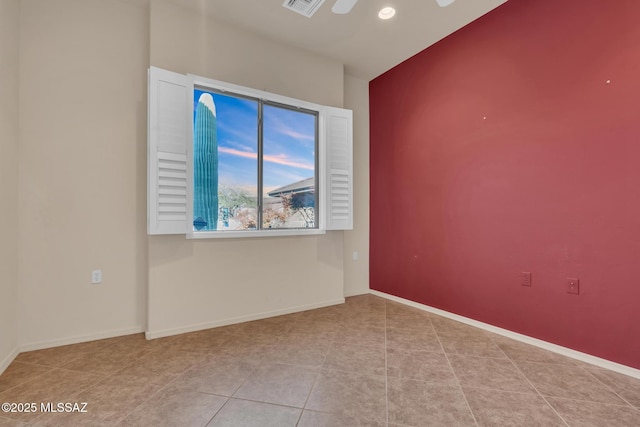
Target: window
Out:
[229,161]
[254,163]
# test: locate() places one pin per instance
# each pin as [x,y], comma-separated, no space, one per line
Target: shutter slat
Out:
[182,175]
[173,191]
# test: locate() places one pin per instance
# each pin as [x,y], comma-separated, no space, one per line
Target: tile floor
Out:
[368,362]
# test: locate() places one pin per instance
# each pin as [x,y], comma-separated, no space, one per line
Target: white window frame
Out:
[335,159]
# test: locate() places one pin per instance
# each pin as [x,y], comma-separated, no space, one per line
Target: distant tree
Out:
[234,198]
[302,203]
[247,219]
[272,218]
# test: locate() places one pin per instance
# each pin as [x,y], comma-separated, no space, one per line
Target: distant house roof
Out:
[305,186]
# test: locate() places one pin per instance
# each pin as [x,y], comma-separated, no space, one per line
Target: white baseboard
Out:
[574,354]
[356,293]
[78,339]
[231,321]
[4,364]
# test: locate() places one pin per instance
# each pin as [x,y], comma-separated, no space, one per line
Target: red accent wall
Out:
[502,149]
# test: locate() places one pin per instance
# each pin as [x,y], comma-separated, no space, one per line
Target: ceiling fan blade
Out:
[444,3]
[343,6]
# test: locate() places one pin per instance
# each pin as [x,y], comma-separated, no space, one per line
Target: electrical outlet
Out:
[355,255]
[526,278]
[96,277]
[573,285]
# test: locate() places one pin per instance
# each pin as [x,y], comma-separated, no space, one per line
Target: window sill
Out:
[251,234]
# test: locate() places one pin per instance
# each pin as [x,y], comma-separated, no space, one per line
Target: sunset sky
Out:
[289,143]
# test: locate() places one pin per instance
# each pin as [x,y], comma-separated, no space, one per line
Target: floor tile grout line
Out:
[464,396]
[141,403]
[170,383]
[315,381]
[386,366]
[573,399]
[306,401]
[218,411]
[515,392]
[338,371]
[49,369]
[530,382]
[164,387]
[253,370]
[609,388]
[586,371]
[246,399]
[36,364]
[536,389]
[76,392]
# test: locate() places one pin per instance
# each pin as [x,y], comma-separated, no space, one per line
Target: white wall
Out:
[196,284]
[82,169]
[186,41]
[356,272]
[9,54]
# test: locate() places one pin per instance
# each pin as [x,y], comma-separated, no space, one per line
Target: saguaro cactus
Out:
[205,165]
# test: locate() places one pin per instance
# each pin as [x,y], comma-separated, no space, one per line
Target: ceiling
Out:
[366,45]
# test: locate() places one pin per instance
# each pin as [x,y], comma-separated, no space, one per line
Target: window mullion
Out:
[260,166]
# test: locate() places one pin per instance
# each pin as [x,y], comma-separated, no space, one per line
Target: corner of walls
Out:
[356,241]
[9,161]
[8,359]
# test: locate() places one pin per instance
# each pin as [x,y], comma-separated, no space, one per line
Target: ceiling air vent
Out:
[303,7]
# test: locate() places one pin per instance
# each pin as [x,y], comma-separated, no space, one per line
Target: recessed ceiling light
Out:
[386,13]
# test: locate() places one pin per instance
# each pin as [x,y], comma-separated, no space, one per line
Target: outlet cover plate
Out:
[573,285]
[526,278]
[96,277]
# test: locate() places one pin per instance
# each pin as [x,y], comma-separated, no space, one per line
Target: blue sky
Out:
[289,138]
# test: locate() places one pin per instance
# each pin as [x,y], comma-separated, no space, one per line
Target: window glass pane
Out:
[289,168]
[225,162]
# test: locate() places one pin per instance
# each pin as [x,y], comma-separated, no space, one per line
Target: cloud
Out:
[241,146]
[276,176]
[276,122]
[284,130]
[248,135]
[234,152]
[280,159]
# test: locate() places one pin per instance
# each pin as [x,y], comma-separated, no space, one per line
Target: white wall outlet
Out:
[96,277]
[355,255]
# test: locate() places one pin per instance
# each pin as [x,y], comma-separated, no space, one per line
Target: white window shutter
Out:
[168,142]
[339,168]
